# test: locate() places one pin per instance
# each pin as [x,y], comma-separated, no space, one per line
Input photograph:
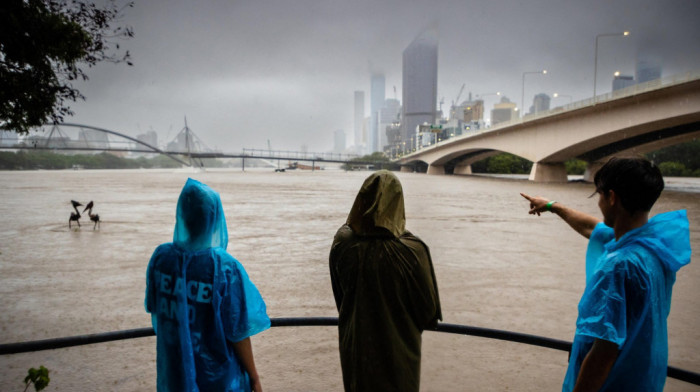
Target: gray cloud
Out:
[247,71]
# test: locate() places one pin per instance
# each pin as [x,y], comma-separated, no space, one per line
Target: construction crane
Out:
[461,90]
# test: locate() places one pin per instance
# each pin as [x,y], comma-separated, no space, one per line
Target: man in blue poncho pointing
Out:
[621,340]
[203,306]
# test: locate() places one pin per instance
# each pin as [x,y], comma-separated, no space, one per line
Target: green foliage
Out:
[380,160]
[33,160]
[674,169]
[42,42]
[679,160]
[575,166]
[503,163]
[38,377]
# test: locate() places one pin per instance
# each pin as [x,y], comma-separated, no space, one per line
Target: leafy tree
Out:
[503,163]
[575,166]
[687,154]
[42,44]
[379,159]
[674,169]
[32,160]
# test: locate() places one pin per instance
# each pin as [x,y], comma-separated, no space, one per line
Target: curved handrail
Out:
[541,341]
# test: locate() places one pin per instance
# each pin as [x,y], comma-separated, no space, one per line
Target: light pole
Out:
[595,65]
[522,96]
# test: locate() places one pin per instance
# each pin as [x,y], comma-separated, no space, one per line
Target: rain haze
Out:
[245,72]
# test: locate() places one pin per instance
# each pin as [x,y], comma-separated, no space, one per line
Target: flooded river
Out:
[496,266]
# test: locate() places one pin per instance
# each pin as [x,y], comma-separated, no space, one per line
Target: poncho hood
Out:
[665,235]
[379,206]
[200,221]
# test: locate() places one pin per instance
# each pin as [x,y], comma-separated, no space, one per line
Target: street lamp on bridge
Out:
[522,96]
[595,65]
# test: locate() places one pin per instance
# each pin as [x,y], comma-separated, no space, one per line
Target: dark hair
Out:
[636,181]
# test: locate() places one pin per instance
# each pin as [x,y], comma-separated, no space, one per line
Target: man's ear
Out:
[612,198]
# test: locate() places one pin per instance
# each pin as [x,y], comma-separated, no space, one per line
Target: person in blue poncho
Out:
[621,340]
[203,306]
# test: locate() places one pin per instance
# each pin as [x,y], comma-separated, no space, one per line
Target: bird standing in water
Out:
[93,217]
[74,216]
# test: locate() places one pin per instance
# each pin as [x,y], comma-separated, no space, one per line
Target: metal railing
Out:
[517,337]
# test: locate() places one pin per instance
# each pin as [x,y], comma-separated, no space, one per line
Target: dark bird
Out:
[74,216]
[93,217]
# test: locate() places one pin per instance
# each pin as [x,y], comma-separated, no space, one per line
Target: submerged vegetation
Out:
[682,160]
[34,160]
[381,162]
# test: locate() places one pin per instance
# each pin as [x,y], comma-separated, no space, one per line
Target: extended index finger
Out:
[526,196]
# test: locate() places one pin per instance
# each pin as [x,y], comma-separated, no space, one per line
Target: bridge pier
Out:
[548,172]
[436,169]
[591,169]
[406,169]
[463,169]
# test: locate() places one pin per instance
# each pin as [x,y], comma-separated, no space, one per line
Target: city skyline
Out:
[247,72]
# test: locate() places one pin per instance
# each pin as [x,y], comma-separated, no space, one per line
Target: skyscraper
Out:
[622,81]
[647,69]
[388,115]
[502,112]
[359,119]
[339,141]
[419,83]
[540,103]
[377,94]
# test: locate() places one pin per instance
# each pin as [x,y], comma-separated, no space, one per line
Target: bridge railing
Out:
[301,155]
[517,337]
[618,94]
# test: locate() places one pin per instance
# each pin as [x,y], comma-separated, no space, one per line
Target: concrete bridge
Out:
[641,119]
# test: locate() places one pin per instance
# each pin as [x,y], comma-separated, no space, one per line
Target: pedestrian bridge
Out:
[636,120]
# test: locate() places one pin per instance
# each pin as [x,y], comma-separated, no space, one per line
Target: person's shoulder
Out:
[413,242]
[602,233]
[343,234]
[629,261]
[165,248]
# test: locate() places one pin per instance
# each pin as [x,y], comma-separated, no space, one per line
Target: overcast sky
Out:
[247,71]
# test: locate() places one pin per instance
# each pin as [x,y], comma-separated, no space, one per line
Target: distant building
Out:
[359,118]
[378,94]
[93,139]
[419,84]
[8,138]
[540,103]
[388,115]
[647,70]
[503,111]
[622,81]
[393,145]
[150,138]
[339,141]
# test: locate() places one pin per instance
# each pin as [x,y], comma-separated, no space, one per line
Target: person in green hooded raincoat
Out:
[385,291]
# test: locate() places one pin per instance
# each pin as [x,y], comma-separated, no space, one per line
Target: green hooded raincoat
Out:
[385,290]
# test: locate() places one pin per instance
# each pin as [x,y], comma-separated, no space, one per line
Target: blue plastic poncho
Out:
[201,300]
[628,298]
